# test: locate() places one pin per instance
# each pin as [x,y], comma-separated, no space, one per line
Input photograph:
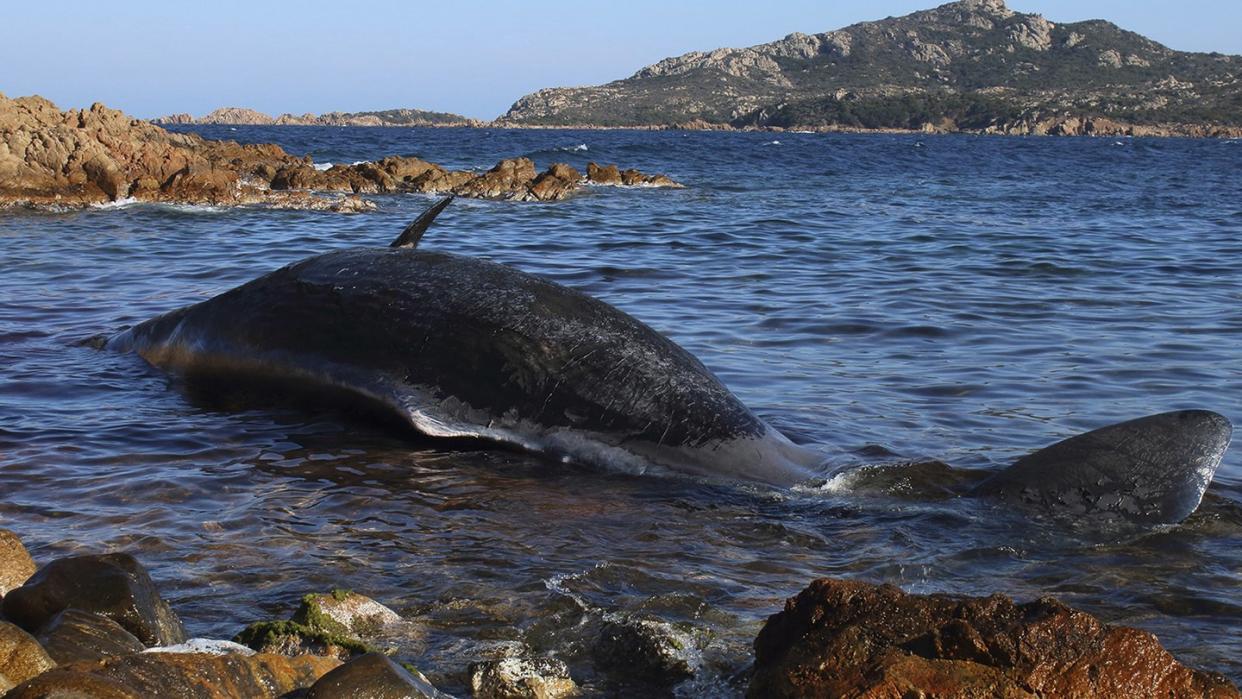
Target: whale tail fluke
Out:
[414,232]
[1152,470]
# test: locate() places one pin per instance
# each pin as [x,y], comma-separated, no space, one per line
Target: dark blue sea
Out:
[885,297]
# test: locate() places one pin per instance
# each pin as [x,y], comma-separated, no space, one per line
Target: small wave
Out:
[118,204]
[772,143]
[581,147]
[129,202]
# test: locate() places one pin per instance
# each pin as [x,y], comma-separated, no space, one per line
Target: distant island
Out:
[387,117]
[973,65]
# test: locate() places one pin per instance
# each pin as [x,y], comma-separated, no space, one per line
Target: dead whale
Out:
[459,347]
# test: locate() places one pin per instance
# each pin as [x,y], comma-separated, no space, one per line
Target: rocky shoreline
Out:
[95,625]
[74,159]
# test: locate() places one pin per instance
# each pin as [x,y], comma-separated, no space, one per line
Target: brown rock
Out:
[607,174]
[5,685]
[16,565]
[508,179]
[374,676]
[405,169]
[842,638]
[114,585]
[440,181]
[555,183]
[75,635]
[21,656]
[181,675]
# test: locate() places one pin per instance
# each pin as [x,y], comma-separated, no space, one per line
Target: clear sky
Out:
[474,58]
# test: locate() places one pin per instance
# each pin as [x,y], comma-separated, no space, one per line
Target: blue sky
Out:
[153,58]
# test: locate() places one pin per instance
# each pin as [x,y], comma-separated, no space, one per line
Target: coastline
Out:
[1055,126]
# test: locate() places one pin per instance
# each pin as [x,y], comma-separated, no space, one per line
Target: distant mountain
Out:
[388,117]
[968,65]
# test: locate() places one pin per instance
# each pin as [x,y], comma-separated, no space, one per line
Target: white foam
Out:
[211,646]
[322,166]
[118,204]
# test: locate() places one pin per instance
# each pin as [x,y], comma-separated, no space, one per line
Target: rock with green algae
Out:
[340,624]
[16,565]
[346,613]
[293,638]
[181,675]
[375,676]
[21,656]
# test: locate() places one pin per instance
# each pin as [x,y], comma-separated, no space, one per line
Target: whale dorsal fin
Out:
[414,232]
[1152,470]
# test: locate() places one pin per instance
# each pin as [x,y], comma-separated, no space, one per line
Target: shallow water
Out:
[967,299]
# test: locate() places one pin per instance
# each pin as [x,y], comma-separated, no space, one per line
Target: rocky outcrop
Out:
[77,158]
[182,675]
[112,585]
[897,72]
[389,117]
[16,565]
[841,638]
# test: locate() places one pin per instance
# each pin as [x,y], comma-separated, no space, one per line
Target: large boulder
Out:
[374,676]
[16,565]
[21,656]
[112,585]
[843,638]
[181,675]
[75,635]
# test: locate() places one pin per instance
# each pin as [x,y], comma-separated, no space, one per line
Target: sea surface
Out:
[883,297]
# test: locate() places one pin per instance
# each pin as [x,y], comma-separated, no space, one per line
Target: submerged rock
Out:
[842,638]
[181,675]
[75,635]
[21,656]
[112,585]
[374,676]
[521,678]
[16,565]
[645,651]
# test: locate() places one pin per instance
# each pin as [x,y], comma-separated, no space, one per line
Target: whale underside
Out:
[458,347]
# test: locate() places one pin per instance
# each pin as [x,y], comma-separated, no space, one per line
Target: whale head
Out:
[1151,470]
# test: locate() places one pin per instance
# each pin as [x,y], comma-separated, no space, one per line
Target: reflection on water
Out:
[969,300]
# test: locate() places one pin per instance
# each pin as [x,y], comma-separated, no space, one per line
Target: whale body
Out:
[458,347]
[462,347]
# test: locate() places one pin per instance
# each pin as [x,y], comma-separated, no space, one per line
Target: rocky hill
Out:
[388,117]
[968,65]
